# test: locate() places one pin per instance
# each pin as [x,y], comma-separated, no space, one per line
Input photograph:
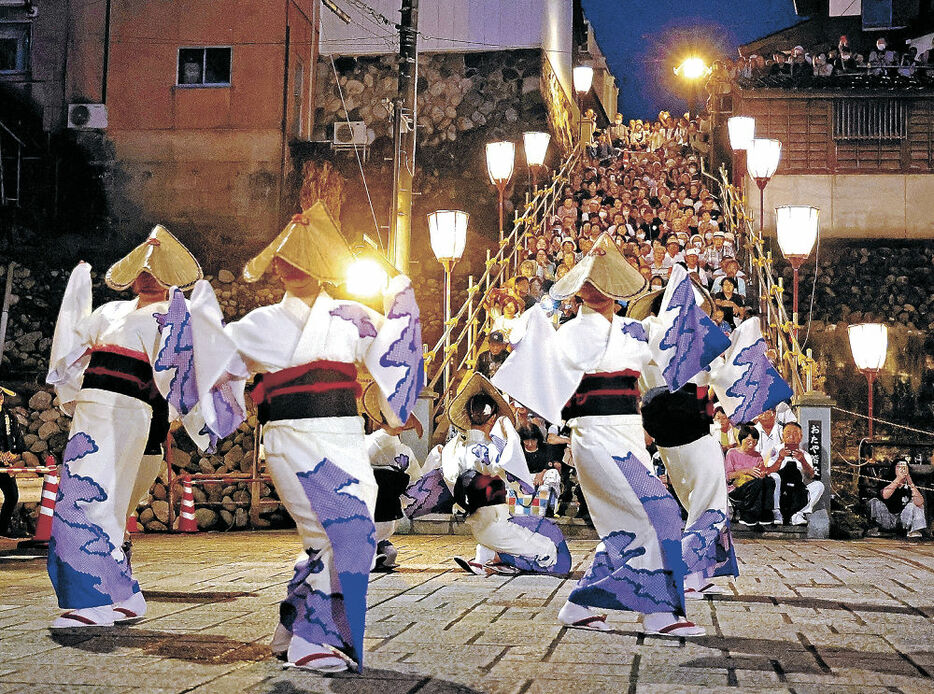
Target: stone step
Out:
[576,529]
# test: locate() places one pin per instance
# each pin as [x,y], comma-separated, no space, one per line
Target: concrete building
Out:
[186,109]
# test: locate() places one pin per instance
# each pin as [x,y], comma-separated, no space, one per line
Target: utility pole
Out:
[403,138]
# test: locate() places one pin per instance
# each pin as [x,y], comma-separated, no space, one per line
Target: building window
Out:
[208,67]
[14,47]
[870,119]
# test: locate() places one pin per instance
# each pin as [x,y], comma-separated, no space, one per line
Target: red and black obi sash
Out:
[124,371]
[604,394]
[316,389]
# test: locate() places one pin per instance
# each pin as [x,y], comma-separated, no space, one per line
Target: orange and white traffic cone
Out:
[186,515]
[46,510]
[131,525]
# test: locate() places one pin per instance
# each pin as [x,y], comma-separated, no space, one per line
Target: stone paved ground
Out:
[816,616]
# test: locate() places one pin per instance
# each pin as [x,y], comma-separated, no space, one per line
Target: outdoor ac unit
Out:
[87,116]
[352,133]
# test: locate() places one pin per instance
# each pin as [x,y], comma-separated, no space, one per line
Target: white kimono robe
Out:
[104,470]
[320,465]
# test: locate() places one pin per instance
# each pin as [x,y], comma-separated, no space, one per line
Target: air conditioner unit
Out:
[352,133]
[87,116]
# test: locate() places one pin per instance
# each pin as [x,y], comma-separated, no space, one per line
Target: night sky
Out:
[643,39]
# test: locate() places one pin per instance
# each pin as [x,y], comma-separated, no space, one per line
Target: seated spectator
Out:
[780,66]
[722,430]
[796,490]
[822,68]
[899,504]
[881,57]
[750,488]
[718,319]
[546,472]
[770,435]
[693,266]
[730,302]
[729,267]
[489,361]
[523,290]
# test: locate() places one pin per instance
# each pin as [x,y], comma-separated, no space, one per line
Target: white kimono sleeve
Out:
[70,342]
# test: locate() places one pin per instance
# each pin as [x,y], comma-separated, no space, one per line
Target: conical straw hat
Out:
[161,255]
[478,383]
[605,268]
[310,242]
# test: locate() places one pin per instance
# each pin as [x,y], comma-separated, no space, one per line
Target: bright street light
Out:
[366,278]
[796,227]
[742,132]
[500,161]
[869,343]
[536,146]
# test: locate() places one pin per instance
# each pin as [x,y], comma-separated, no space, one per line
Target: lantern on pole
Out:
[536,146]
[447,232]
[500,162]
[583,79]
[869,343]
[742,131]
[762,157]
[797,227]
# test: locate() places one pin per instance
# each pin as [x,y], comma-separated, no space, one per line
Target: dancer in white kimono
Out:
[476,465]
[395,468]
[595,361]
[123,370]
[679,422]
[306,350]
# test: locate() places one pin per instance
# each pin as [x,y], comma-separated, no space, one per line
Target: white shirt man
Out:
[789,453]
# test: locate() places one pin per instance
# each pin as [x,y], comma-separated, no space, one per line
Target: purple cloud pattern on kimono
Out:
[350,530]
[428,495]
[406,352]
[177,353]
[760,387]
[706,545]
[401,461]
[81,564]
[696,339]
[320,616]
[357,315]
[547,528]
[636,331]
[610,582]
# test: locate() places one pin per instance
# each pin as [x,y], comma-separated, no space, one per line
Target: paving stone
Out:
[804,616]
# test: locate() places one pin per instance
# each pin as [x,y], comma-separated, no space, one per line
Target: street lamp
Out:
[869,343]
[762,157]
[796,227]
[500,161]
[447,232]
[583,79]
[742,131]
[536,145]
[692,69]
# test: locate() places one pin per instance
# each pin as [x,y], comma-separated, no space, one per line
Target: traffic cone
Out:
[131,525]
[46,509]
[186,516]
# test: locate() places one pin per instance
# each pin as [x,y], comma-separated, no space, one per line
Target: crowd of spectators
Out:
[801,66]
[640,183]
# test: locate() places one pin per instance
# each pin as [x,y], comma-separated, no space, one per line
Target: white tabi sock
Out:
[484,555]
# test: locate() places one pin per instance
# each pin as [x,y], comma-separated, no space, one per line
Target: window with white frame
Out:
[208,66]
[14,47]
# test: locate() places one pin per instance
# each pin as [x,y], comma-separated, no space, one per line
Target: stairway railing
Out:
[796,367]
[466,326]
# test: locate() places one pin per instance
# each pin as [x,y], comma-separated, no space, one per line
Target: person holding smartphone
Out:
[899,504]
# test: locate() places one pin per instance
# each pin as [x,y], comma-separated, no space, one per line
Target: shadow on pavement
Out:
[372,681]
[199,597]
[196,648]
[817,603]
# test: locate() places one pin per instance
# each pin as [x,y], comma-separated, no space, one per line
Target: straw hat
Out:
[311,242]
[605,267]
[477,383]
[645,305]
[372,409]
[161,255]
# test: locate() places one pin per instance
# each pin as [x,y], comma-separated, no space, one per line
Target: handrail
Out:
[777,327]
[462,328]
